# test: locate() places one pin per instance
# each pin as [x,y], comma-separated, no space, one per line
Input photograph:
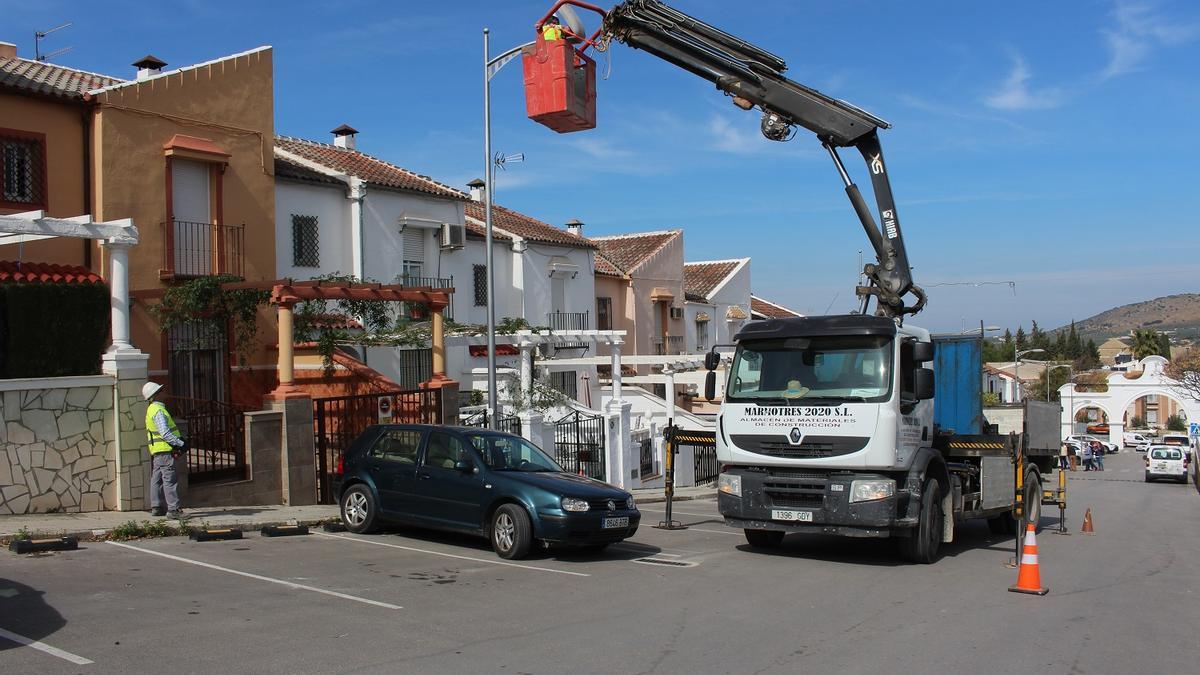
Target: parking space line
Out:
[451,555]
[43,647]
[281,582]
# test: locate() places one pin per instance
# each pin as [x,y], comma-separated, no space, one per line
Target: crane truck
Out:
[854,425]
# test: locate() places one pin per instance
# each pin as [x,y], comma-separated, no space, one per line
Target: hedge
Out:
[52,330]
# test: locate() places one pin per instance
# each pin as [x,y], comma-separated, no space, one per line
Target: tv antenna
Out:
[502,159]
[40,35]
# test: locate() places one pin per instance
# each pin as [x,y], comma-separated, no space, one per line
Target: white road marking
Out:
[451,555]
[43,647]
[281,582]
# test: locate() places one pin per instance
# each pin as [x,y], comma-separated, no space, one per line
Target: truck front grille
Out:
[792,500]
[810,447]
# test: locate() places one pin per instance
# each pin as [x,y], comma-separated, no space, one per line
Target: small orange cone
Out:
[1087,522]
[1028,578]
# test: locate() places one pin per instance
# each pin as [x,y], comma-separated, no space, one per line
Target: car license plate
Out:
[610,523]
[797,516]
[1161,466]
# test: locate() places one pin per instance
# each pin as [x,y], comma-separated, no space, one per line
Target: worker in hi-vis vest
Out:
[552,29]
[165,445]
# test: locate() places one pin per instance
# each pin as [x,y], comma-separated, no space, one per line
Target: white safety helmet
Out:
[150,389]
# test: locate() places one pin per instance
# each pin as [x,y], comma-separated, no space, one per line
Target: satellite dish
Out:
[569,18]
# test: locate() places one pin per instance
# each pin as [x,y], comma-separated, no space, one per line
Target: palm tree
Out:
[1145,343]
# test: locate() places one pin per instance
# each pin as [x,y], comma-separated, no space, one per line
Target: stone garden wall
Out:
[58,453]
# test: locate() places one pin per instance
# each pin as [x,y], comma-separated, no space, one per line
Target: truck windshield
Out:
[803,370]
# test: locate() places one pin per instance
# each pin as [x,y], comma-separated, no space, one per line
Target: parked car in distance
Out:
[1101,428]
[1134,439]
[477,481]
[1109,448]
[1176,440]
[1167,461]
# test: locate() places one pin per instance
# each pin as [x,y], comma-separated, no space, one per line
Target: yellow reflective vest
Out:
[551,31]
[157,443]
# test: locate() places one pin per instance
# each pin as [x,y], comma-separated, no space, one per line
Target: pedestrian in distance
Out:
[165,444]
[1063,464]
[1098,455]
[1073,456]
[1087,456]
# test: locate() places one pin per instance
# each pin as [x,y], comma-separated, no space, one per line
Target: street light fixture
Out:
[1017,370]
[491,66]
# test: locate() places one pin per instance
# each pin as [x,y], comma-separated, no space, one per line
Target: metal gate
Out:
[507,423]
[338,420]
[704,453]
[579,443]
[215,433]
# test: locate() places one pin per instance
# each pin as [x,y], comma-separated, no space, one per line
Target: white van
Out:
[1134,440]
[1167,461]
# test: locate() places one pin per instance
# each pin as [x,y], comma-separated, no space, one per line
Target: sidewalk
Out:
[98,523]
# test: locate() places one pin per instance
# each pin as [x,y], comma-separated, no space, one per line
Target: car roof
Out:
[445,427]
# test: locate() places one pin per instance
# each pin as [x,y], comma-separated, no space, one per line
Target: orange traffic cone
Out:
[1087,522]
[1028,578]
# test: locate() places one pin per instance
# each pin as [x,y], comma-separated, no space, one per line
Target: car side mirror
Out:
[465,466]
[710,385]
[712,360]
[923,383]
[922,352]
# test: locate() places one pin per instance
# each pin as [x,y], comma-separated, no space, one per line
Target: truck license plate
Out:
[610,523]
[797,516]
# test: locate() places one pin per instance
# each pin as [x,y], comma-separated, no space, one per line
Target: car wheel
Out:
[926,540]
[764,538]
[511,532]
[359,511]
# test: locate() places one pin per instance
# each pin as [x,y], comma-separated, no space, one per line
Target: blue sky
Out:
[1047,144]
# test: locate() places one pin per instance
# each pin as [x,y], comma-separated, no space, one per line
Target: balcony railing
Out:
[202,249]
[425,282]
[668,345]
[568,321]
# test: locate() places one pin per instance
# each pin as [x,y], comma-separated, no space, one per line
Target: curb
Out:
[101,534]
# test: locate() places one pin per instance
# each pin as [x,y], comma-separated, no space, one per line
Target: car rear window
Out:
[397,445]
[1166,453]
[1175,440]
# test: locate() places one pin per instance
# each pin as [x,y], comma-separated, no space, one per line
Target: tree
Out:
[1061,346]
[1185,370]
[1089,358]
[1074,343]
[1164,346]
[1039,340]
[1145,343]
[1057,378]
[1021,342]
[1176,423]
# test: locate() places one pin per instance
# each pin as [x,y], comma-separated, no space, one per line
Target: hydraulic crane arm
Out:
[754,78]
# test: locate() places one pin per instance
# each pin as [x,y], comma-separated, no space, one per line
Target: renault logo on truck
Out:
[795,436]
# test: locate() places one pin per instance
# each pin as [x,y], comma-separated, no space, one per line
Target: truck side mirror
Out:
[712,360]
[710,385]
[922,352]
[923,383]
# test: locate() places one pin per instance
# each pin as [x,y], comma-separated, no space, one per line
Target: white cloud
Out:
[1015,93]
[600,148]
[736,139]
[1138,30]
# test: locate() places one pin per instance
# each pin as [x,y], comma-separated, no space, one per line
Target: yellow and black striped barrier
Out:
[222,534]
[42,545]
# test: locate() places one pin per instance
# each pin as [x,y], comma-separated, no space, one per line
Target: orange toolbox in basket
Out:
[560,86]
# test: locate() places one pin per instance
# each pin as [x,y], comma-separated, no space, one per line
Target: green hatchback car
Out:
[479,481]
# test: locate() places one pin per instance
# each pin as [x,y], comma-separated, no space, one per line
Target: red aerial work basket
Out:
[560,86]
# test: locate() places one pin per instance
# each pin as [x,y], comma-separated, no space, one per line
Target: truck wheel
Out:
[926,540]
[764,538]
[1033,502]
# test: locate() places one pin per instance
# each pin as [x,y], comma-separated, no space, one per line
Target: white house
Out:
[341,211]
[716,301]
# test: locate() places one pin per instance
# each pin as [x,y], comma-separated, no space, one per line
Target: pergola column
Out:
[118,284]
[437,340]
[287,388]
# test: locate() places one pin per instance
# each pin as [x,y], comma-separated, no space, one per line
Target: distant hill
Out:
[1177,313]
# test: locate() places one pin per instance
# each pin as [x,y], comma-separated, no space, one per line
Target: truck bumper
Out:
[825,497]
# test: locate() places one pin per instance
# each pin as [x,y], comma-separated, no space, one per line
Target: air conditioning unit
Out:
[676,312]
[453,236]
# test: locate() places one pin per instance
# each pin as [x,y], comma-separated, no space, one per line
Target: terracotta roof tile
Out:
[701,278]
[46,273]
[628,251]
[366,167]
[766,309]
[38,77]
[526,227]
[288,169]
[605,267]
[478,230]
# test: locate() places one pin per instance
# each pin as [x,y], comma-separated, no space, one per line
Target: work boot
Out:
[158,513]
[176,514]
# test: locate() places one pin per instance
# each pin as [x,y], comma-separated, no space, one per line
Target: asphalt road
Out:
[1123,600]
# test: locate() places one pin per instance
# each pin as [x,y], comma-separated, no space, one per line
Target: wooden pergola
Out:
[286,293]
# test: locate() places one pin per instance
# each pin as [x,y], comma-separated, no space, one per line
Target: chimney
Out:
[343,136]
[575,227]
[148,66]
[8,50]
[477,187]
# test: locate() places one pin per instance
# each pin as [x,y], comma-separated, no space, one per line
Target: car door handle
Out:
[424,476]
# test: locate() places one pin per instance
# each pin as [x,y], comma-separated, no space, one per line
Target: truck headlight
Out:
[730,484]
[572,504]
[870,490]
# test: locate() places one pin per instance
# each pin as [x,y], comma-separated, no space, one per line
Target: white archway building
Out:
[1123,391]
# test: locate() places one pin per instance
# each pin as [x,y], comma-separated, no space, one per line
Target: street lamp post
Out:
[1051,369]
[491,66]
[1017,370]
